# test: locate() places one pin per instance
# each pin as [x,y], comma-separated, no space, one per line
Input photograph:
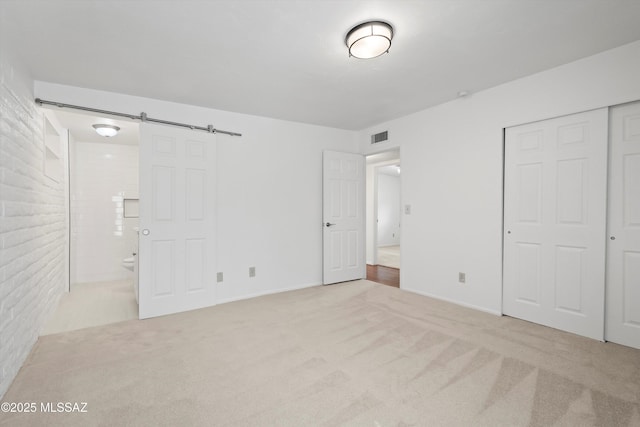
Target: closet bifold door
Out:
[623,240]
[555,222]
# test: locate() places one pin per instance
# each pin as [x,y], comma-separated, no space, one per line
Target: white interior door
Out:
[555,222]
[623,251]
[177,250]
[343,217]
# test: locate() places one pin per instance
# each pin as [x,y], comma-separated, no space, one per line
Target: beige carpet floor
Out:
[354,354]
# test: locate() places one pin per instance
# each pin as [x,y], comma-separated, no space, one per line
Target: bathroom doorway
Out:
[384,217]
[103,221]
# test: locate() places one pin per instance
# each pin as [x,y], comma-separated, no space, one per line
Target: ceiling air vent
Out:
[380,137]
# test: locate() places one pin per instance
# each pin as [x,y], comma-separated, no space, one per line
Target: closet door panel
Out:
[555,217]
[623,245]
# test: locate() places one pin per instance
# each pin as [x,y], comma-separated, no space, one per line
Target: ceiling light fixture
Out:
[369,40]
[106,130]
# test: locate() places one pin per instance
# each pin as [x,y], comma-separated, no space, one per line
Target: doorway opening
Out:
[102,220]
[384,217]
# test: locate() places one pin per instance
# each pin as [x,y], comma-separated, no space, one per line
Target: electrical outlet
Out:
[219,277]
[252,272]
[462,277]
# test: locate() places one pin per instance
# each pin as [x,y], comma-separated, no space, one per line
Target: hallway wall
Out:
[388,210]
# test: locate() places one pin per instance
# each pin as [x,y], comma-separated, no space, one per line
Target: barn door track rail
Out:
[142,117]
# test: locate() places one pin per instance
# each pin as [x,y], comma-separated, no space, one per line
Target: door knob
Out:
[329,224]
[613,237]
[145,232]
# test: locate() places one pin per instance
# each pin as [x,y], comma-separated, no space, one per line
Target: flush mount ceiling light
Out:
[106,130]
[369,40]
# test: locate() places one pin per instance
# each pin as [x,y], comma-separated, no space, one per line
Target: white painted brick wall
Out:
[32,226]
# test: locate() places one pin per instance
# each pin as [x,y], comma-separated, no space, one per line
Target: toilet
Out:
[129,263]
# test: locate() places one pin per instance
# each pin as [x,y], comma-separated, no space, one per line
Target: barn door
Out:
[177,253]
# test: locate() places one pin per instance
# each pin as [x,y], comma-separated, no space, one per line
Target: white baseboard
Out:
[269,292]
[462,304]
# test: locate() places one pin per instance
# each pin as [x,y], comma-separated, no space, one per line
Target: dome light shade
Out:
[106,130]
[369,40]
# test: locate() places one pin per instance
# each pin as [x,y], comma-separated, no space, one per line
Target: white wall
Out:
[388,210]
[370,202]
[33,238]
[269,188]
[102,174]
[452,158]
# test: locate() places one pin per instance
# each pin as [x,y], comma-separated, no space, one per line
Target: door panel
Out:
[555,198]
[164,188]
[571,192]
[343,210]
[631,188]
[631,290]
[196,256]
[568,278]
[177,256]
[528,273]
[163,258]
[530,207]
[623,245]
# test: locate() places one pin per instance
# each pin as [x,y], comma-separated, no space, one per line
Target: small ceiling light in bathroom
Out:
[369,39]
[106,130]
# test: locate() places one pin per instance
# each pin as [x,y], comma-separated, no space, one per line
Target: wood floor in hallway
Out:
[384,275]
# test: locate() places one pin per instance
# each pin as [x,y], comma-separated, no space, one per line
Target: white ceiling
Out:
[286,59]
